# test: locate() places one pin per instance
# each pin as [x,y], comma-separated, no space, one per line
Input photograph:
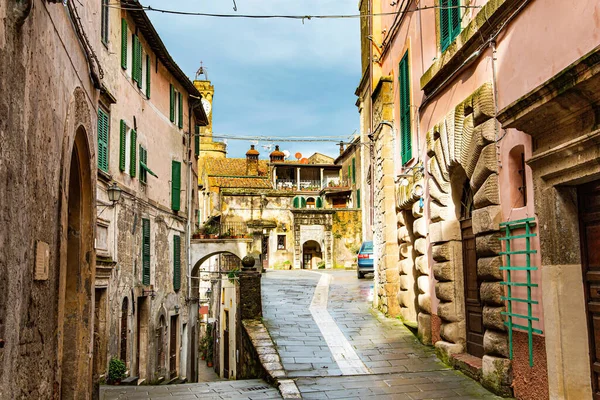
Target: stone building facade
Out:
[147,113]
[455,100]
[50,88]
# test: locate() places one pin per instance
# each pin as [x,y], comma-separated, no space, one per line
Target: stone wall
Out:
[347,237]
[463,145]
[311,219]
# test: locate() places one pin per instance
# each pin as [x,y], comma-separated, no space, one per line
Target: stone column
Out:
[250,295]
[322,178]
[298,178]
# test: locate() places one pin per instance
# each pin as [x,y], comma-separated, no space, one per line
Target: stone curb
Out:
[269,358]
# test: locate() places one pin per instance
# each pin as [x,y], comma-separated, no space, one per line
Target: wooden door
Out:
[473,308]
[589,225]
[173,348]
[124,329]
[226,346]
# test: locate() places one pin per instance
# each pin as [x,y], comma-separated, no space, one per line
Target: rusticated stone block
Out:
[422,264]
[391,291]
[444,141]
[406,281]
[417,210]
[452,137]
[450,311]
[405,250]
[459,137]
[421,246]
[403,235]
[438,213]
[434,171]
[392,275]
[483,103]
[488,194]
[493,319]
[420,228]
[423,284]
[437,194]
[487,164]
[488,268]
[406,266]
[424,301]
[495,343]
[444,291]
[496,375]
[444,231]
[469,150]
[487,219]
[400,218]
[444,271]
[491,293]
[488,245]
[445,350]
[454,332]
[449,251]
[439,156]
[486,132]
[424,328]
[429,143]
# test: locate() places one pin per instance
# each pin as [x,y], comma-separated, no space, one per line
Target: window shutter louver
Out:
[132,156]
[319,203]
[197,141]
[302,202]
[349,174]
[176,263]
[175,185]
[172,103]
[357,198]
[133,57]
[139,61]
[405,123]
[103,127]
[180,110]
[122,149]
[296,202]
[143,162]
[123,43]
[353,170]
[444,24]
[148,73]
[146,251]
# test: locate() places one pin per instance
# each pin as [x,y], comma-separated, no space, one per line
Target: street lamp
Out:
[114,193]
[208,292]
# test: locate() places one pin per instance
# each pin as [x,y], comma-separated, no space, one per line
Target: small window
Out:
[103,138]
[311,202]
[405,115]
[127,149]
[104,22]
[517,177]
[449,22]
[280,242]
[146,251]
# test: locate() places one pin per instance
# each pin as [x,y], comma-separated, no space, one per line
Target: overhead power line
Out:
[279,16]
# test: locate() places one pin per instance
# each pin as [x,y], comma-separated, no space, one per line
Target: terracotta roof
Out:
[239,182]
[232,167]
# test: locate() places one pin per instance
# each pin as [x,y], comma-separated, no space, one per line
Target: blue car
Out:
[365,259]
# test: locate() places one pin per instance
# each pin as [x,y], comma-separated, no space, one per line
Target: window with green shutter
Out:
[148,71]
[175,185]
[103,132]
[180,103]
[176,263]
[405,123]
[104,21]
[357,198]
[124,43]
[354,171]
[139,62]
[133,154]
[449,22]
[134,57]
[296,202]
[197,141]
[172,114]
[349,174]
[123,144]
[146,251]
[302,202]
[319,203]
[144,169]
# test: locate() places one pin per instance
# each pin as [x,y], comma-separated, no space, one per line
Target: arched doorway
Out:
[473,306]
[161,333]
[311,254]
[124,329]
[77,275]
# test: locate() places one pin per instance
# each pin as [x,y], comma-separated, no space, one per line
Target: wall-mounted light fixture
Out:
[114,193]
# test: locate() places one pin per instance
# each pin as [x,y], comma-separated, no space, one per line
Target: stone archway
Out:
[462,148]
[77,274]
[311,254]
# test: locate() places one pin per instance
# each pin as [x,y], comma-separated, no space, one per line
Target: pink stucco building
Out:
[490,108]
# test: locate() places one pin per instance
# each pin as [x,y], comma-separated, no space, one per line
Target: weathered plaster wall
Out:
[347,237]
[39,116]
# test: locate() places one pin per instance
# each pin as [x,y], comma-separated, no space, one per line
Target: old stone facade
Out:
[50,89]
[462,145]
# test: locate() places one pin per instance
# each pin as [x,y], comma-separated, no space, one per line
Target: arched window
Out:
[466,202]
[319,202]
[310,202]
[517,179]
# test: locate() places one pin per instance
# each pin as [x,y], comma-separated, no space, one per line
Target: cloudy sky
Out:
[272,77]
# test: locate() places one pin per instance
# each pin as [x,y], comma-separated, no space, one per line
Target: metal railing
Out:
[292,184]
[233,229]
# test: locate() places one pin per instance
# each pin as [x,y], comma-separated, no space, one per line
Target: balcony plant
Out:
[211,230]
[116,371]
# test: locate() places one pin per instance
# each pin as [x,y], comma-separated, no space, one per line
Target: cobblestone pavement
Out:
[397,365]
[247,389]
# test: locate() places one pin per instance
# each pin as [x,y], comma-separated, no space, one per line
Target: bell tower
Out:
[208,147]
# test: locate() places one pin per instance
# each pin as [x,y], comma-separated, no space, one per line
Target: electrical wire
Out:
[138,7]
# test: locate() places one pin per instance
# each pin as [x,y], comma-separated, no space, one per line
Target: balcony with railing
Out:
[223,230]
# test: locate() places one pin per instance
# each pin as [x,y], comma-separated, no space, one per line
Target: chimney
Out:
[252,162]
[277,155]
[341,148]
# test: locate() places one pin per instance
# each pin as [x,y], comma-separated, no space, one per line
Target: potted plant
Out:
[199,234]
[116,371]
[212,231]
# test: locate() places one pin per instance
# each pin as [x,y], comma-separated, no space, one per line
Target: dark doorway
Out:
[160,345]
[311,255]
[226,346]
[193,374]
[100,332]
[589,225]
[124,329]
[142,337]
[473,307]
[173,347]
[265,251]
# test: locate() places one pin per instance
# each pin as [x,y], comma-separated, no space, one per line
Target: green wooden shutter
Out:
[353,170]
[148,70]
[296,202]
[145,251]
[103,128]
[405,123]
[302,202]
[133,57]
[357,198]
[319,202]
[132,156]
[197,141]
[444,24]
[172,103]
[349,174]
[143,165]
[139,62]
[454,19]
[180,110]
[176,263]
[175,185]
[122,149]
[123,43]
